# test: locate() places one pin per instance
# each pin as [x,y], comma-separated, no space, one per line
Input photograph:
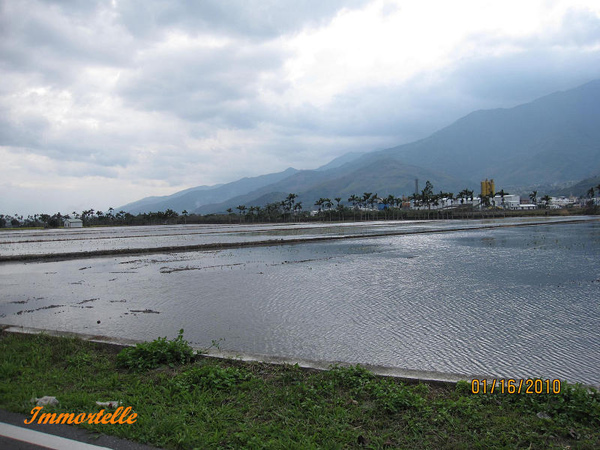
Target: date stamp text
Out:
[515,386]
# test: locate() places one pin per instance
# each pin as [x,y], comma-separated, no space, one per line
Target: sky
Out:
[105,102]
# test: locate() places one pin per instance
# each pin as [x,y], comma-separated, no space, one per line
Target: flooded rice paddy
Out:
[444,296]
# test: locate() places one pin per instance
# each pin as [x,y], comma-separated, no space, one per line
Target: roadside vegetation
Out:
[189,401]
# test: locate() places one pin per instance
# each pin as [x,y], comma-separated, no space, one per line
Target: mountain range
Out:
[550,141]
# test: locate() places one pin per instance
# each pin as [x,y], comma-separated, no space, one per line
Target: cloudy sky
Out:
[105,102]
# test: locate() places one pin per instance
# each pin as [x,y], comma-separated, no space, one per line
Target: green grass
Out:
[211,403]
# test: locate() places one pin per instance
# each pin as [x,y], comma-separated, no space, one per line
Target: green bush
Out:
[211,377]
[351,377]
[149,355]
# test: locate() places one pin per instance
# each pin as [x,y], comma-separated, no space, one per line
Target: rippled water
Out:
[73,241]
[511,302]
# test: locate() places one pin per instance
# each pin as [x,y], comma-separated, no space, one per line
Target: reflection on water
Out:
[51,242]
[511,302]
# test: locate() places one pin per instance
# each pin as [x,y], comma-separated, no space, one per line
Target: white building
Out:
[527,206]
[73,223]
[508,202]
[562,202]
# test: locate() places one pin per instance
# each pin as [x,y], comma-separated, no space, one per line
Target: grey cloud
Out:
[33,134]
[383,116]
[78,8]
[77,148]
[41,38]
[516,78]
[418,107]
[261,19]
[27,132]
[215,85]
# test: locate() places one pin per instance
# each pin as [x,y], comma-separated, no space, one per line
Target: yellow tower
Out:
[488,188]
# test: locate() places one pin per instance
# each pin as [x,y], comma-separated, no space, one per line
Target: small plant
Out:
[216,343]
[211,378]
[463,387]
[352,377]
[394,397]
[149,355]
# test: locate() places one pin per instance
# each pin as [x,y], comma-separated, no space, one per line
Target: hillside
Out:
[191,199]
[378,175]
[553,139]
[579,189]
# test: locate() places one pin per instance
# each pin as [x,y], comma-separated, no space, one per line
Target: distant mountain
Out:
[341,160]
[579,189]
[148,203]
[555,138]
[191,199]
[552,141]
[380,175]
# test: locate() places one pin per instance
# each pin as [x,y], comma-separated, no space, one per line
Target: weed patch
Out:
[150,355]
[211,377]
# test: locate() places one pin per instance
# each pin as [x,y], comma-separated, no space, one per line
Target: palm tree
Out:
[399,203]
[354,200]
[533,197]
[338,207]
[485,200]
[270,210]
[185,213]
[297,208]
[319,203]
[366,197]
[427,196]
[328,205]
[590,194]
[241,209]
[546,199]
[289,203]
[462,195]
[374,198]
[391,201]
[416,199]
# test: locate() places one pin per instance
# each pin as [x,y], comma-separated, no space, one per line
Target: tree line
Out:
[366,206]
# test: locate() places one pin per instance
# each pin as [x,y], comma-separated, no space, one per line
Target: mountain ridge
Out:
[552,139]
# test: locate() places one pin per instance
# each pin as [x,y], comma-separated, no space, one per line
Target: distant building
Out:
[527,206]
[508,202]
[562,202]
[73,223]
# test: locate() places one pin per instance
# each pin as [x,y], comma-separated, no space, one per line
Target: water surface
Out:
[510,302]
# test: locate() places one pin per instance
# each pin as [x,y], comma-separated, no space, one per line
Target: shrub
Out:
[352,377]
[211,378]
[149,355]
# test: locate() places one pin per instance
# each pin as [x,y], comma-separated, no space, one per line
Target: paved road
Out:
[15,435]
